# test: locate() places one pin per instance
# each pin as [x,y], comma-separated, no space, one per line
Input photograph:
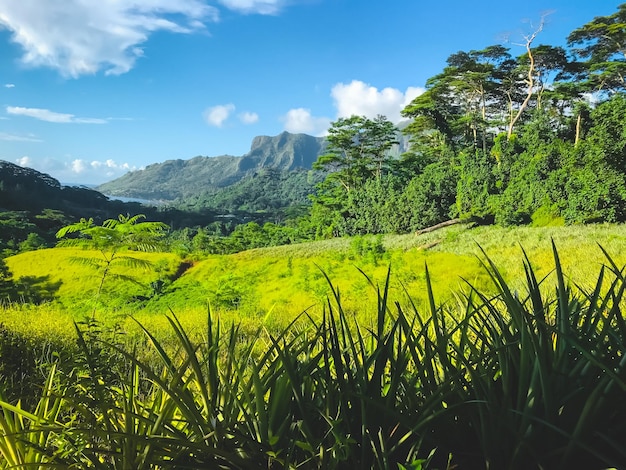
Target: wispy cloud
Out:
[217,115]
[18,138]
[262,7]
[78,37]
[9,85]
[120,119]
[51,116]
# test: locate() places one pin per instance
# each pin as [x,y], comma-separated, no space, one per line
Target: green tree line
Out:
[538,137]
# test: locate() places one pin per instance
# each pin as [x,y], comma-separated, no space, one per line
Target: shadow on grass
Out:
[34,290]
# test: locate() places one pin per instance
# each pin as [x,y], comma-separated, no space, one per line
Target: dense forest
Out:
[538,137]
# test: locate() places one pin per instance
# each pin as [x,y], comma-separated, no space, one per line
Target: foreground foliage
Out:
[513,380]
[114,240]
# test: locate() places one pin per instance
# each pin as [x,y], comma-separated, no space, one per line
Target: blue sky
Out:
[90,89]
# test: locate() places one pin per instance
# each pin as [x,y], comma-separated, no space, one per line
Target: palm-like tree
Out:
[114,240]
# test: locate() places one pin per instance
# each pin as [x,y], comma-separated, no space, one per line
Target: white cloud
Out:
[85,171]
[24,161]
[262,7]
[9,85]
[51,116]
[216,115]
[248,117]
[78,166]
[411,93]
[100,170]
[300,120]
[355,98]
[78,170]
[358,98]
[78,37]
[18,138]
[109,167]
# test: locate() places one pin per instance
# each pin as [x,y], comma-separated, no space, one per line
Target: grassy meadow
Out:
[271,286]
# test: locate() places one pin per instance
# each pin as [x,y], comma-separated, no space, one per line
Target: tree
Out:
[607,137]
[596,186]
[435,114]
[430,197]
[602,42]
[475,80]
[14,228]
[463,105]
[113,240]
[358,149]
[357,162]
[530,80]
[7,287]
[549,63]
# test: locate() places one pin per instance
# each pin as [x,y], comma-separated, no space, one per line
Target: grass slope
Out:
[273,285]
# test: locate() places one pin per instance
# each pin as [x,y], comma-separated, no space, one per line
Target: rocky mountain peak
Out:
[178,178]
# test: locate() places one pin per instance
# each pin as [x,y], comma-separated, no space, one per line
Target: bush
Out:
[430,197]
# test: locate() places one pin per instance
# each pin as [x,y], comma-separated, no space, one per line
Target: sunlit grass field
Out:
[270,287]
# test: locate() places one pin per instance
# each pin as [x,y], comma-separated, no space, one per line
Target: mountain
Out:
[27,189]
[179,179]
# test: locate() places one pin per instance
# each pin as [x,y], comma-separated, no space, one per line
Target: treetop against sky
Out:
[90,90]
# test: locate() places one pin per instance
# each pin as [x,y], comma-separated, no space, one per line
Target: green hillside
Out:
[267,190]
[273,285]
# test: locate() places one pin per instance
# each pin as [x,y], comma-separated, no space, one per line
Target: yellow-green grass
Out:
[76,284]
[42,324]
[274,285]
[578,247]
[269,287]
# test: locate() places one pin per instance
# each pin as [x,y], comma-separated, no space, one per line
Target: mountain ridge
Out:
[175,179]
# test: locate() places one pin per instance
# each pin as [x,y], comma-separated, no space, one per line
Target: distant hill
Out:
[264,191]
[34,205]
[27,189]
[180,179]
